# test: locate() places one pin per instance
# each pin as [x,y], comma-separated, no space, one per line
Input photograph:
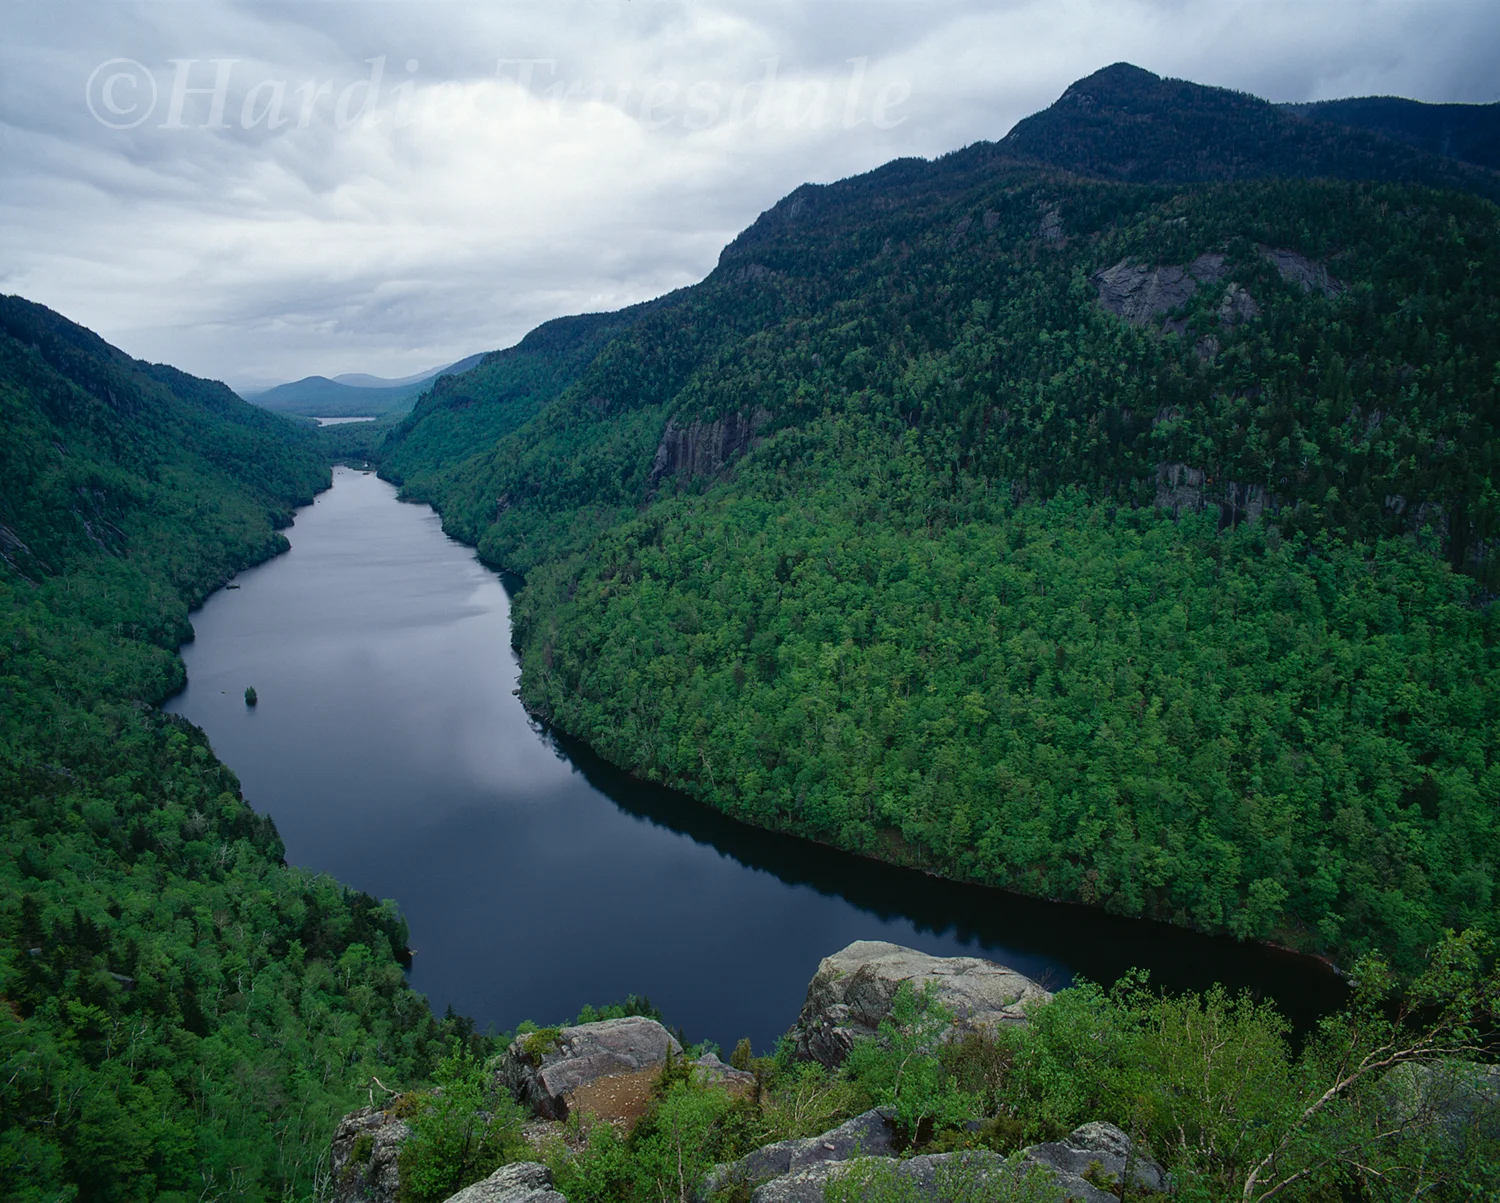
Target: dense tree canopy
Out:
[183,1016]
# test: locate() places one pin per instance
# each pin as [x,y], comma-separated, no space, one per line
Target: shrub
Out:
[901,1067]
[460,1132]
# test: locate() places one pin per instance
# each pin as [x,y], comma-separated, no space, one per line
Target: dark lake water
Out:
[391,752]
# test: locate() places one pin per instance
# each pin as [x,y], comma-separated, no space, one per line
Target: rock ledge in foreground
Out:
[523,1182]
[541,1073]
[852,992]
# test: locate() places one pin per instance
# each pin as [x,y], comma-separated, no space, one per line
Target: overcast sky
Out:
[258,192]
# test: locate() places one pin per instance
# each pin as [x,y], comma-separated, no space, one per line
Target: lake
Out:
[392,752]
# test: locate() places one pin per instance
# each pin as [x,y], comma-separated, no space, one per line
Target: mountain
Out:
[359,396]
[360,380]
[1124,123]
[318,396]
[468,411]
[1470,132]
[1107,513]
[172,1016]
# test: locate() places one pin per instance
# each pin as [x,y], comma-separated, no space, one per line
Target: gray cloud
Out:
[461,209]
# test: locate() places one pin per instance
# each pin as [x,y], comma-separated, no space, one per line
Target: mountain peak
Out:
[1126,123]
[1116,80]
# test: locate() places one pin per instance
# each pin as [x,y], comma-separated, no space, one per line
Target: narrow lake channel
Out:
[392,753]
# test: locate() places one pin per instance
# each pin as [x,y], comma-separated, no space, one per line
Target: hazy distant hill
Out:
[1109,512]
[354,395]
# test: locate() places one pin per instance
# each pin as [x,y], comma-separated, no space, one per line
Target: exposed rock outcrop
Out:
[1242,503]
[542,1072]
[1237,307]
[1103,1145]
[1299,269]
[752,273]
[366,1145]
[709,1070]
[867,1135]
[524,1182]
[1142,294]
[1101,1151]
[1184,489]
[706,448]
[14,552]
[1050,228]
[1179,487]
[852,992]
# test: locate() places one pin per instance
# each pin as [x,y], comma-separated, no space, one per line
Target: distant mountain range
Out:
[353,394]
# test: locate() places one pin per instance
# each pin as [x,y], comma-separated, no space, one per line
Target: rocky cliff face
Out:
[705,448]
[1141,294]
[366,1146]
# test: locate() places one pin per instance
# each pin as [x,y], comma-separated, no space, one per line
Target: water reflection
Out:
[392,753]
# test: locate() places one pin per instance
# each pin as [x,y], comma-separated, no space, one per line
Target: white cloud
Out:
[472,209]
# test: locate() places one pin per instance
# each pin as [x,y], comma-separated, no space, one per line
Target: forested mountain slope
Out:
[1124,123]
[466,412]
[1111,541]
[183,1016]
[1470,132]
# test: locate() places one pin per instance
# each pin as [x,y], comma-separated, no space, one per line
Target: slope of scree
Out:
[183,1015]
[1117,542]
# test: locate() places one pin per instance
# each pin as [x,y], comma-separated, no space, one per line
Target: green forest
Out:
[184,1016]
[903,532]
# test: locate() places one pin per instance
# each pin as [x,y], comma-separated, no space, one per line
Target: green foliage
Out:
[901,1068]
[944,609]
[539,1043]
[460,1132]
[685,1134]
[803,1100]
[1395,1098]
[356,444]
[1462,131]
[1211,1086]
[447,425]
[633,1004]
[181,1014]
